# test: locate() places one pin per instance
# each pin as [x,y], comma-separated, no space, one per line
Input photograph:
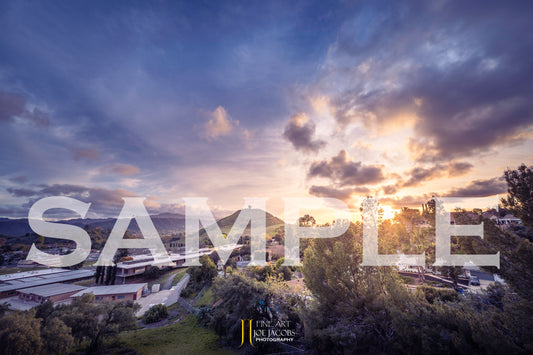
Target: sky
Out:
[226,100]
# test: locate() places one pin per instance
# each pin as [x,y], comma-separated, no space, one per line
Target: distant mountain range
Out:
[165,223]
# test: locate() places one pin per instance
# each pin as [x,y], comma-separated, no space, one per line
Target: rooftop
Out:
[47,279]
[52,289]
[33,273]
[111,290]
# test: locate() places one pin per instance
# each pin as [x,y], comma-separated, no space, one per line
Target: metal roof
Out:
[52,289]
[150,260]
[111,290]
[61,277]
[32,273]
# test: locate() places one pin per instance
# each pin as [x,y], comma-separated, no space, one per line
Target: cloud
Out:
[104,202]
[342,170]
[300,131]
[19,179]
[219,124]
[476,188]
[480,188]
[389,189]
[88,154]
[419,175]
[405,201]
[344,194]
[459,76]
[13,109]
[121,169]
[21,192]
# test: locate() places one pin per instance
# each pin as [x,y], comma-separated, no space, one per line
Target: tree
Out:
[307,220]
[243,297]
[349,313]
[99,274]
[20,333]
[153,273]
[155,314]
[361,309]
[520,193]
[57,337]
[113,318]
[205,273]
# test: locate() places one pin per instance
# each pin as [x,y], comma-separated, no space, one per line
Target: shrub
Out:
[431,294]
[155,314]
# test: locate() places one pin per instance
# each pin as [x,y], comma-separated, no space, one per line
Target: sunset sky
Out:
[226,100]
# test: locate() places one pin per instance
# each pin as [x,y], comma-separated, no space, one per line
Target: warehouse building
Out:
[114,292]
[53,292]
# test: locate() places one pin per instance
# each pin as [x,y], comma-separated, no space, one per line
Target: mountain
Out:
[225,224]
[165,223]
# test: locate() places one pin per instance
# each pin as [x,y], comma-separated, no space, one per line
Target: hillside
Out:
[165,223]
[273,223]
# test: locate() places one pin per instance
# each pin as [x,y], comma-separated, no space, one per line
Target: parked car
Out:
[474,281]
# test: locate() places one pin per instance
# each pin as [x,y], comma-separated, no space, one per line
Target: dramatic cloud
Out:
[418,175]
[480,188]
[405,201]
[344,194]
[389,189]
[300,131]
[21,192]
[342,170]
[13,108]
[219,124]
[104,202]
[458,73]
[476,188]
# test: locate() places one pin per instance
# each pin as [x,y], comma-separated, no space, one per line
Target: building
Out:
[10,285]
[507,220]
[53,292]
[141,263]
[126,292]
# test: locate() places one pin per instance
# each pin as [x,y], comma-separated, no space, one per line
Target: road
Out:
[166,297]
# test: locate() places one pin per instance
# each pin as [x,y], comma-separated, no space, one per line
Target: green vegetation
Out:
[185,337]
[520,193]
[432,294]
[367,309]
[57,330]
[178,276]
[225,224]
[206,299]
[155,314]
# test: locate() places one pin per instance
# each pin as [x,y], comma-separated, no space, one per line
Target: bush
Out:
[153,273]
[431,294]
[155,314]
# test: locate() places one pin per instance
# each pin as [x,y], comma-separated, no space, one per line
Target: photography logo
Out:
[261,331]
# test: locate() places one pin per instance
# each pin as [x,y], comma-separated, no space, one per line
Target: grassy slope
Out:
[206,299]
[185,337]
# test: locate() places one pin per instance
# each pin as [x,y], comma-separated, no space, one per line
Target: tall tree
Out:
[520,193]
[20,333]
[57,337]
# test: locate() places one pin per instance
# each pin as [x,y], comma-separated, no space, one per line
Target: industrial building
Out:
[114,293]
[53,292]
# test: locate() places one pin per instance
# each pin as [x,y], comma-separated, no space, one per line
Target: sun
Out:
[388,212]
